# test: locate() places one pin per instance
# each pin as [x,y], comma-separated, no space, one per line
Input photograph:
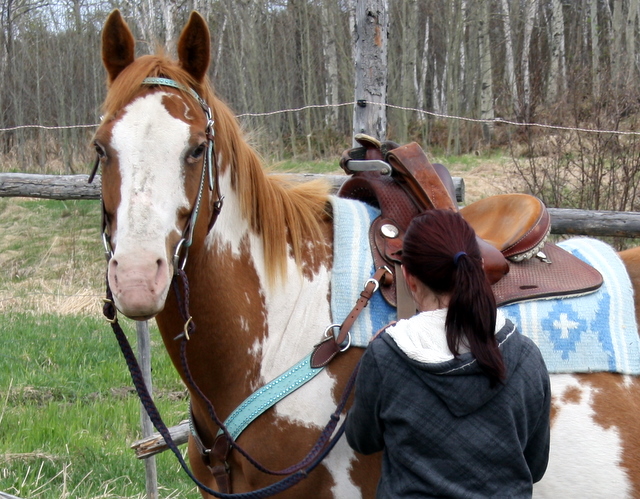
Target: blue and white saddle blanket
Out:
[589,333]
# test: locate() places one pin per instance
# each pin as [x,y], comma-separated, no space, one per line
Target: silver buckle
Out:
[369,165]
[108,250]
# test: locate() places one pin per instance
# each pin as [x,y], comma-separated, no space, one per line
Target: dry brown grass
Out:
[50,257]
[486,180]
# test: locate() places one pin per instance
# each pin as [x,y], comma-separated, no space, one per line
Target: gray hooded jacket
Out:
[444,431]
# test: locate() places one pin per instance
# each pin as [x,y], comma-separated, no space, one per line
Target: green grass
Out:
[48,237]
[68,414]
[466,162]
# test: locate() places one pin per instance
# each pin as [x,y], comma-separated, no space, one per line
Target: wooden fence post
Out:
[144,359]
[370,52]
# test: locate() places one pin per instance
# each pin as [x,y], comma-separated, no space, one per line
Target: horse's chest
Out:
[296,318]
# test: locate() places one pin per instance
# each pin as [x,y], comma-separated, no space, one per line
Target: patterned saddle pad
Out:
[594,332]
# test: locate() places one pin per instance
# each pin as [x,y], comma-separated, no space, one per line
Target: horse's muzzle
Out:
[139,284]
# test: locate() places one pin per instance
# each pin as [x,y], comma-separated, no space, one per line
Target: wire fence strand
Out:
[493,121]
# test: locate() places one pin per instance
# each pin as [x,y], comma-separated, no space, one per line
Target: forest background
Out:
[459,71]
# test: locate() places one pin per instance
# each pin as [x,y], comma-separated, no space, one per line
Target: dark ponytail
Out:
[440,250]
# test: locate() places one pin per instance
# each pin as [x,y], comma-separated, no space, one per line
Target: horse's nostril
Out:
[113,265]
[161,266]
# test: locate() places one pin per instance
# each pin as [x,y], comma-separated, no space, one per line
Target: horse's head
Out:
[154,150]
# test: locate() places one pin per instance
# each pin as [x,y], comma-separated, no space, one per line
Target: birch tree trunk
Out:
[424,68]
[352,8]
[486,71]
[144,15]
[595,50]
[454,81]
[630,35]
[607,46]
[616,52]
[557,72]
[407,30]
[169,10]
[462,76]
[531,8]
[370,34]
[440,78]
[220,39]
[510,67]
[331,63]
[470,60]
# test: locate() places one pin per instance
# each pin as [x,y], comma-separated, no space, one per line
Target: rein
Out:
[295,473]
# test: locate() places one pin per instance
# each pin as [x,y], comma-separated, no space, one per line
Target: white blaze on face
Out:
[585,459]
[150,144]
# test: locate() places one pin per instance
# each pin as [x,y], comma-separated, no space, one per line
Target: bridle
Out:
[210,170]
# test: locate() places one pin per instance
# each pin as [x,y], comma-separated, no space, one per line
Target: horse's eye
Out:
[198,152]
[99,150]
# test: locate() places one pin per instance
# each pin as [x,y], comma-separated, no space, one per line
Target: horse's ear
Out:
[194,47]
[118,45]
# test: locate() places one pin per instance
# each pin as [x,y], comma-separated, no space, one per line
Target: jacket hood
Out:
[458,382]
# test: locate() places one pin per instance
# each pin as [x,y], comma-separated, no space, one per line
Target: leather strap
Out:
[221,472]
[328,348]
[218,453]
[414,170]
[222,476]
[406,305]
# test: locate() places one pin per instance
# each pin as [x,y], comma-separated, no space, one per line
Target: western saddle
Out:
[511,228]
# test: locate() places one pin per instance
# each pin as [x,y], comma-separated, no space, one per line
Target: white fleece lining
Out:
[423,337]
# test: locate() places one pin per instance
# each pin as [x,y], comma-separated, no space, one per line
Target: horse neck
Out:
[249,326]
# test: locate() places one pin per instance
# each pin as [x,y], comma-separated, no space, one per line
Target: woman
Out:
[456,397]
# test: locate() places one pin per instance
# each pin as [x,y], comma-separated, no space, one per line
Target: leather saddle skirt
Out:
[554,273]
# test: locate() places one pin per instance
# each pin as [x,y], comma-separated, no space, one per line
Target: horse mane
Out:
[281,211]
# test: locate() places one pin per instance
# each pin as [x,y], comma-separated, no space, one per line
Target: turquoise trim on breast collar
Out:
[267,396]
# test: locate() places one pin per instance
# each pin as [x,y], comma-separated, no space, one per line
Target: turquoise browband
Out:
[171,83]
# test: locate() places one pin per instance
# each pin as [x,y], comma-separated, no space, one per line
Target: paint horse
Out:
[259,267]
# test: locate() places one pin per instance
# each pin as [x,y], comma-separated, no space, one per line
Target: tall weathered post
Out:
[370,32]
[144,358]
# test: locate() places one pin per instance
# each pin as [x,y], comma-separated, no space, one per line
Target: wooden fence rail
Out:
[563,221]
